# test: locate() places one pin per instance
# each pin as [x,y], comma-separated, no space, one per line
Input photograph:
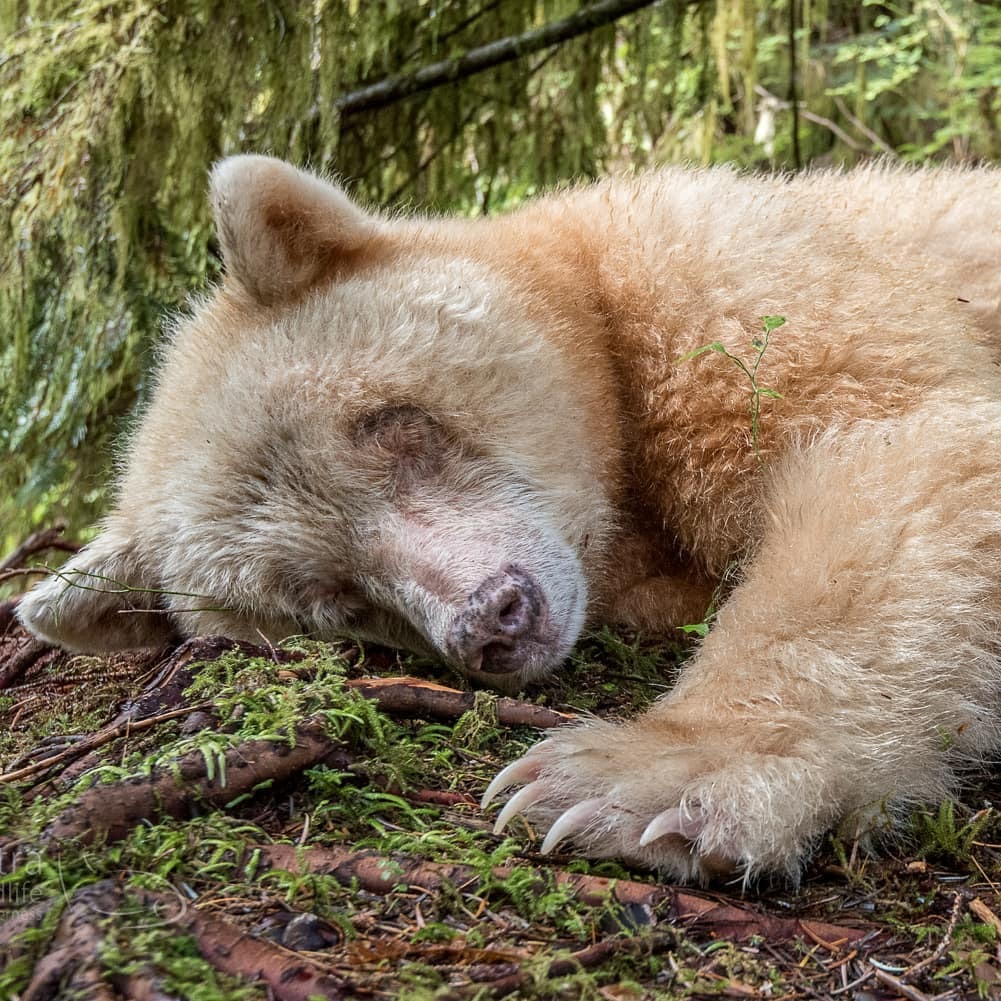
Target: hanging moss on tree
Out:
[111,113]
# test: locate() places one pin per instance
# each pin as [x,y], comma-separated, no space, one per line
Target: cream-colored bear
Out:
[472,438]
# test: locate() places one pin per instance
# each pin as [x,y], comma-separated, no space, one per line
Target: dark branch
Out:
[38,542]
[395,88]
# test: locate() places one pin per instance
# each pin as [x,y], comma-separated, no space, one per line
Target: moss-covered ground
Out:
[406,788]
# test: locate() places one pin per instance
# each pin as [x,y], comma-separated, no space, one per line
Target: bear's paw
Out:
[687,809]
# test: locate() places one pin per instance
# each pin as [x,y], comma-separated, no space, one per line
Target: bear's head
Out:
[367,430]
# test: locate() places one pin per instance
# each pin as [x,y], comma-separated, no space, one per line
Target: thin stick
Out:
[99,739]
[957,907]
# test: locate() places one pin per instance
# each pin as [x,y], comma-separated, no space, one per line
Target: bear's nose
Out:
[504,611]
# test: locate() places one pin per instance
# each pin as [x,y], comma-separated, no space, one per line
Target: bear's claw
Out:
[571,821]
[524,769]
[673,821]
[520,801]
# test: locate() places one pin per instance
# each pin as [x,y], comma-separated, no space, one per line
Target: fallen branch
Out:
[114,809]
[111,810]
[409,697]
[141,985]
[289,975]
[381,874]
[985,915]
[593,955]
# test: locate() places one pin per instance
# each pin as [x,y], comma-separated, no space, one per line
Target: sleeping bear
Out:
[474,438]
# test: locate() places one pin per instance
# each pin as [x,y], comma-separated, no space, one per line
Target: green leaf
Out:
[705,349]
[700,629]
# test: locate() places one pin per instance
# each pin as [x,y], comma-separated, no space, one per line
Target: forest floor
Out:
[218,821]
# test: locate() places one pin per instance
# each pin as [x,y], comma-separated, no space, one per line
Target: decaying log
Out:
[381,874]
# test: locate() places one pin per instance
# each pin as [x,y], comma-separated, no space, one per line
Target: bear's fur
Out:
[470,437]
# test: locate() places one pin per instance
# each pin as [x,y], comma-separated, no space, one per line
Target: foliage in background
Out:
[111,112]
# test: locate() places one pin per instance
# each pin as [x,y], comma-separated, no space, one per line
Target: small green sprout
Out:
[759,345]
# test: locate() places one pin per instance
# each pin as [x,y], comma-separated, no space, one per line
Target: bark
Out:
[15,926]
[8,609]
[19,662]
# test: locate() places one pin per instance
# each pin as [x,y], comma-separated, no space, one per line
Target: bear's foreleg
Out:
[849,676]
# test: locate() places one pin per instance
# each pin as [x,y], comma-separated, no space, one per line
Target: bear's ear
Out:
[282,230]
[100,600]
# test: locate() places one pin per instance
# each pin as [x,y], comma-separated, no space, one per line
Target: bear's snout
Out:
[500,624]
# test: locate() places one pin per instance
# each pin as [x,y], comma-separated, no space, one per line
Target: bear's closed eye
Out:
[413,441]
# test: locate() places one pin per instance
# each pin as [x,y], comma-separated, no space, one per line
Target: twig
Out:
[440,797]
[957,907]
[904,990]
[6,575]
[872,136]
[811,116]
